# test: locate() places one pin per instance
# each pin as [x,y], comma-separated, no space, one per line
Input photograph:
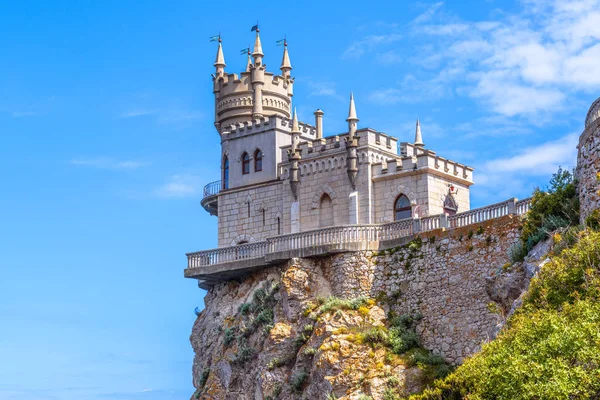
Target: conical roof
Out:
[418,136]
[352,111]
[257,46]
[285,61]
[220,59]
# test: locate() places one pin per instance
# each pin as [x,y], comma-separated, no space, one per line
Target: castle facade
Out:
[282,176]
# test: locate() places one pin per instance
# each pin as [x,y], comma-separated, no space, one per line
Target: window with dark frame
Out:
[402,209]
[226,173]
[245,164]
[258,157]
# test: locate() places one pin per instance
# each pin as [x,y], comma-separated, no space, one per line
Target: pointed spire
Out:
[295,127]
[352,111]
[418,136]
[220,59]
[286,65]
[249,63]
[257,46]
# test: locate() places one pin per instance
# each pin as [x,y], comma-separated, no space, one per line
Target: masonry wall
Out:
[235,224]
[588,166]
[438,190]
[443,279]
[413,186]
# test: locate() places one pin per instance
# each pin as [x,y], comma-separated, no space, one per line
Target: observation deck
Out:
[218,265]
[210,197]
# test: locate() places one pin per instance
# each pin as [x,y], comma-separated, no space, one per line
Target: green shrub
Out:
[550,348]
[244,308]
[333,303]
[229,336]
[592,221]
[298,380]
[374,335]
[204,377]
[557,206]
[517,252]
[310,351]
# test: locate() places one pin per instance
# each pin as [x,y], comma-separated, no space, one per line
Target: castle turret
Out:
[220,60]
[294,156]
[286,65]
[418,136]
[249,61]
[352,144]
[352,118]
[258,79]
[253,94]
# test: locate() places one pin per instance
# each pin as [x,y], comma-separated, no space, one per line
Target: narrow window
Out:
[258,156]
[278,226]
[226,173]
[245,163]
[264,221]
[402,208]
[248,203]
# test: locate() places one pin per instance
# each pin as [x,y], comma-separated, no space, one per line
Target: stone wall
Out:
[443,276]
[588,166]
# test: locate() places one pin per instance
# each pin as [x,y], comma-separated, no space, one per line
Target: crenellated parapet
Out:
[423,161]
[253,94]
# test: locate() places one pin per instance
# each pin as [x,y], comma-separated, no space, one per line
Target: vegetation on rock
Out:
[550,348]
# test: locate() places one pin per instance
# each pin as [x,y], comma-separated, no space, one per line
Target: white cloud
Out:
[324,88]
[526,63]
[107,163]
[368,43]
[539,160]
[179,186]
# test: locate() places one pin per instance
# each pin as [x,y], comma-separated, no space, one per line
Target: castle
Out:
[282,176]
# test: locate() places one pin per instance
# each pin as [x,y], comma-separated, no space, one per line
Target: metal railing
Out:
[350,234]
[212,189]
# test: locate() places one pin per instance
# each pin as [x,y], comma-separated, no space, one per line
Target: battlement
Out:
[318,147]
[422,159]
[234,96]
[264,124]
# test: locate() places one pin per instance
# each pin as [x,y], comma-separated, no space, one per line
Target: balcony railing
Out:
[212,189]
[342,236]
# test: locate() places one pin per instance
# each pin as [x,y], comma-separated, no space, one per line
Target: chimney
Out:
[319,123]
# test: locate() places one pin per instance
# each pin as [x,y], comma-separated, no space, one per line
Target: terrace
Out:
[217,265]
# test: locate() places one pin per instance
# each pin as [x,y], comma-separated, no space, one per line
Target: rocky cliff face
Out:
[355,324]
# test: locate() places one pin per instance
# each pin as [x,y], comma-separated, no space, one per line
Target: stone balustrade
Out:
[345,237]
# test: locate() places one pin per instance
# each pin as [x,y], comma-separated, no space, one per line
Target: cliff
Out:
[355,324]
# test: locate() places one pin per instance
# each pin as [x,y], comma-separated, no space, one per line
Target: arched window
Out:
[245,163]
[450,206]
[402,208]
[325,211]
[225,173]
[278,226]
[258,160]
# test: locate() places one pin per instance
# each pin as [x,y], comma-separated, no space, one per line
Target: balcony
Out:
[222,264]
[210,198]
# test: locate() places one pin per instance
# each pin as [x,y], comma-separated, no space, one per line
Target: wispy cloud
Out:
[324,88]
[369,43]
[543,159]
[516,174]
[179,186]
[107,163]
[526,63]
[167,111]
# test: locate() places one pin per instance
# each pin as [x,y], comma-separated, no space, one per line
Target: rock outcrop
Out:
[324,328]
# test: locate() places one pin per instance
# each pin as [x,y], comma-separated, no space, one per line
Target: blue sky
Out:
[107,139]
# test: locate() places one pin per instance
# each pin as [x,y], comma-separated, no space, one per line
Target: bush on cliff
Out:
[556,207]
[550,348]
